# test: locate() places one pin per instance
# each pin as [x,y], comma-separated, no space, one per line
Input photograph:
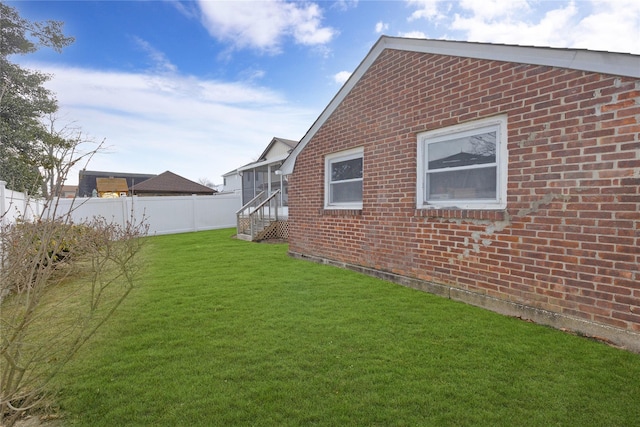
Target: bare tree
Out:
[59,282]
[60,150]
[206,182]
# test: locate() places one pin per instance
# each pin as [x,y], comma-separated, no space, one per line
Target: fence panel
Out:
[15,205]
[163,214]
[81,209]
[169,216]
[220,209]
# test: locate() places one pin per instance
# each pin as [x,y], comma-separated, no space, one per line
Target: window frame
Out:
[340,157]
[424,139]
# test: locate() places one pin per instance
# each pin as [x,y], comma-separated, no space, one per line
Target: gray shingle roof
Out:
[169,182]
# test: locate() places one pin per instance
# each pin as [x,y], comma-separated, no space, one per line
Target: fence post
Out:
[133,214]
[194,222]
[125,208]
[3,203]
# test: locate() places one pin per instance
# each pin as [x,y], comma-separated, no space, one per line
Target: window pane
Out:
[346,192]
[466,151]
[462,184]
[261,181]
[347,169]
[248,187]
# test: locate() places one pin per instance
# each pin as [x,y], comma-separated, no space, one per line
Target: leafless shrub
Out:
[59,283]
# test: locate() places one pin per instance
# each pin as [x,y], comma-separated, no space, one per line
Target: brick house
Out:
[504,176]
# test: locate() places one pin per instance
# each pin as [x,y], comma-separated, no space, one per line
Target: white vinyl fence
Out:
[163,214]
[14,205]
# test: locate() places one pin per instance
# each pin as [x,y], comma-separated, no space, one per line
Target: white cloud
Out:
[414,35]
[342,77]
[612,25]
[492,9]
[188,8]
[264,24]
[160,61]
[426,9]
[154,122]
[501,25]
[345,5]
[305,25]
[381,27]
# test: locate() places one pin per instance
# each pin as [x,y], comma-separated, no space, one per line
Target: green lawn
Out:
[223,332]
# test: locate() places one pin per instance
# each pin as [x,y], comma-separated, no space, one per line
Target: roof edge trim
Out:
[622,64]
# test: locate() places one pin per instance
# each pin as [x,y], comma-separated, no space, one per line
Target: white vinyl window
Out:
[463,166]
[343,180]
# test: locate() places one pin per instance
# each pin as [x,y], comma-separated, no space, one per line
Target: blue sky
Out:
[200,87]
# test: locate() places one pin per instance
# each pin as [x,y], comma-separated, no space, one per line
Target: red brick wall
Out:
[569,239]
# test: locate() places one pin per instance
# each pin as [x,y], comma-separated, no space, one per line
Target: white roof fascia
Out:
[271,144]
[286,142]
[287,166]
[622,64]
[579,59]
[263,163]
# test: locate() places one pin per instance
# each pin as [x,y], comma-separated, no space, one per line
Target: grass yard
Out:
[223,332]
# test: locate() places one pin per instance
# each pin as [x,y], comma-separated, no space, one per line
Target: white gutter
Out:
[263,163]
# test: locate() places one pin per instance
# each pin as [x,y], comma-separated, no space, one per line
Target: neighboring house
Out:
[68,191]
[265,194]
[232,182]
[87,180]
[261,175]
[504,176]
[170,184]
[109,188]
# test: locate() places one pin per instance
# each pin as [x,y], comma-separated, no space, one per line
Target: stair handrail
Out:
[249,203]
[257,218]
[258,213]
[267,200]
[242,213]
